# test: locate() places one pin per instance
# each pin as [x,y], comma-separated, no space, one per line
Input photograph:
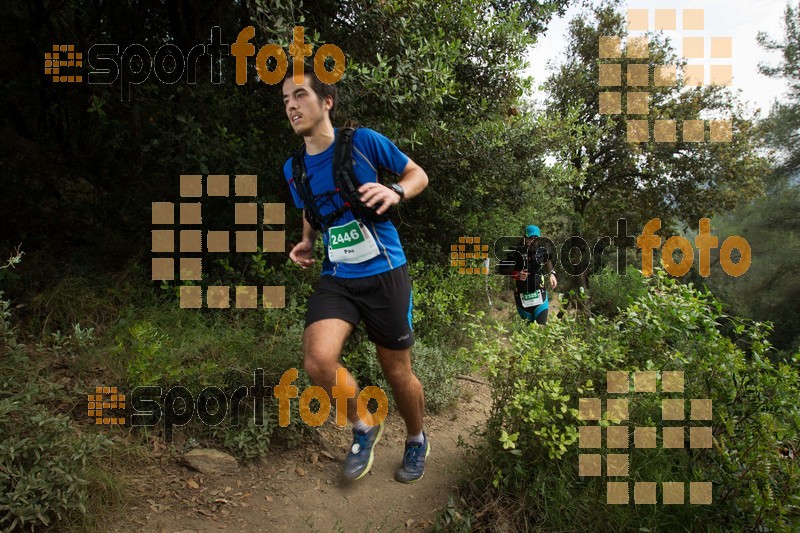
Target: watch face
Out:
[398,189]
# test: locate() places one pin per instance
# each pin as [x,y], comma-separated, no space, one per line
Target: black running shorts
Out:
[383,301]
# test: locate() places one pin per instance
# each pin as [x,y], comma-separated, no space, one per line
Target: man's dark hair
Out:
[323,90]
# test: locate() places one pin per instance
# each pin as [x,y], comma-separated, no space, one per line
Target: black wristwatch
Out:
[398,189]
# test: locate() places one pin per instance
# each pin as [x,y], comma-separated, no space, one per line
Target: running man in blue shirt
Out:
[364,274]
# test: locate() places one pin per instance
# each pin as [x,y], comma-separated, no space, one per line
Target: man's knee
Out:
[399,375]
[397,367]
[318,368]
[322,347]
[319,362]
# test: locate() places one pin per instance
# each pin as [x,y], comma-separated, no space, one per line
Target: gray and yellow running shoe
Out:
[413,467]
[359,458]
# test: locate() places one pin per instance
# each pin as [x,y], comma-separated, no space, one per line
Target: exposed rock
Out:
[208,461]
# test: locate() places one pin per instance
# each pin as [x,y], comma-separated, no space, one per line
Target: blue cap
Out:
[532,231]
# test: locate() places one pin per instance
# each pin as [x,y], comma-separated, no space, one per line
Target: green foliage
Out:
[782,125]
[454,517]
[611,292]
[437,367]
[8,333]
[250,439]
[360,359]
[444,82]
[74,298]
[770,288]
[77,341]
[528,461]
[170,346]
[6,271]
[167,345]
[247,441]
[441,298]
[46,464]
[433,365]
[611,178]
[421,79]
[153,360]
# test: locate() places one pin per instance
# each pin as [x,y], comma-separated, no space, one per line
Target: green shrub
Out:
[81,295]
[360,359]
[437,367]
[443,299]
[529,462]
[611,292]
[45,463]
[247,440]
[170,346]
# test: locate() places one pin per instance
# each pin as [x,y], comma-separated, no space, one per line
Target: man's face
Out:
[306,111]
[530,241]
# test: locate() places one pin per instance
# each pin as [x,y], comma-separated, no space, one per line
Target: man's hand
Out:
[303,254]
[523,275]
[553,282]
[412,179]
[375,193]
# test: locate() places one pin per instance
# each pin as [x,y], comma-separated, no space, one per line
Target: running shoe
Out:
[359,458]
[413,467]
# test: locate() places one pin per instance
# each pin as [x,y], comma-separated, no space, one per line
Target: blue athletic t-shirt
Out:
[371,150]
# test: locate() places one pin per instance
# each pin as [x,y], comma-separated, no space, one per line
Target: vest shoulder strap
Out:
[345,181]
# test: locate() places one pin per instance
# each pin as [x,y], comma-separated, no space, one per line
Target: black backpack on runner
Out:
[345,184]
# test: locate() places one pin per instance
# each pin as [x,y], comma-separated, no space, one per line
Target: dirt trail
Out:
[302,490]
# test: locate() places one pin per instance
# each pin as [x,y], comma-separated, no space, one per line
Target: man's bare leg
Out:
[407,390]
[410,399]
[323,342]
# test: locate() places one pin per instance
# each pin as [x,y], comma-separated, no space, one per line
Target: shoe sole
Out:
[371,455]
[427,453]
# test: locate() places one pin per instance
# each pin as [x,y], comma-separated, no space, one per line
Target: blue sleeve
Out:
[287,173]
[381,151]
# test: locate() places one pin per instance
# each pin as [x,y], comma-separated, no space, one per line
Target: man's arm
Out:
[309,233]
[552,271]
[413,180]
[303,251]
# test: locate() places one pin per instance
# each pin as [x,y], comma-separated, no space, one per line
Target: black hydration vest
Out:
[345,184]
[531,259]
